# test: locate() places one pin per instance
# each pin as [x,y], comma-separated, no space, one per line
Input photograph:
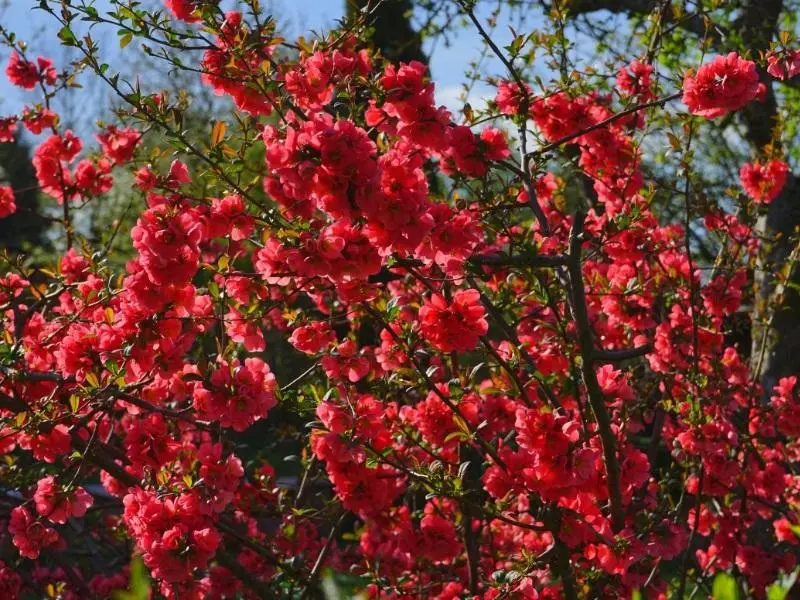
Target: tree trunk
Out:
[392,32]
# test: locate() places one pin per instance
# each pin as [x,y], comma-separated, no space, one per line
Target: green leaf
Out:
[724,587]
[781,588]
[331,589]
[92,380]
[139,586]
[125,39]
[66,36]
[637,595]
[462,437]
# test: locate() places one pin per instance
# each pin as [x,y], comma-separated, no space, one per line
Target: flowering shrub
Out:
[516,387]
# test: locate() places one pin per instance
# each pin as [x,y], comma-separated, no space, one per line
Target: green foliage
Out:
[25,230]
[725,587]
[781,588]
[338,586]
[139,586]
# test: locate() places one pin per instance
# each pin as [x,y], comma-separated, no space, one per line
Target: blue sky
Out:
[448,64]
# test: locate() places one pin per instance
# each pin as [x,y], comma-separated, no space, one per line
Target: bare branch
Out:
[593,390]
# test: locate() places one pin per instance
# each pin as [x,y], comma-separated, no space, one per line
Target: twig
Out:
[604,123]
[536,260]
[611,356]
[314,575]
[300,377]
[688,552]
[230,563]
[525,172]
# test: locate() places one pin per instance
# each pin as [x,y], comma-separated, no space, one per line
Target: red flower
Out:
[244,331]
[312,338]
[58,505]
[168,244]
[119,144]
[27,75]
[49,160]
[93,179]
[439,541]
[7,204]
[10,582]
[511,97]
[635,80]
[39,119]
[762,182]
[8,126]
[455,327]
[22,73]
[29,534]
[783,65]
[240,394]
[470,154]
[183,9]
[347,363]
[229,218]
[725,84]
[178,174]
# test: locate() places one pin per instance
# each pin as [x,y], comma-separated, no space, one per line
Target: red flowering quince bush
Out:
[517,380]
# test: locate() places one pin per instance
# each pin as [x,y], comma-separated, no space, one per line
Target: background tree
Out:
[391,28]
[26,229]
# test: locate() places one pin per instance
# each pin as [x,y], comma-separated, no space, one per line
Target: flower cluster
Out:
[763,182]
[725,84]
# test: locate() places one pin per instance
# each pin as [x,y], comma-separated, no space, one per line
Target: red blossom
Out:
[783,65]
[7,202]
[119,144]
[454,326]
[764,181]
[27,74]
[58,505]
[183,9]
[30,535]
[726,84]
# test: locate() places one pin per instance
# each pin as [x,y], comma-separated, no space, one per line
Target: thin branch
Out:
[314,575]
[524,260]
[593,390]
[232,564]
[525,158]
[604,123]
[611,356]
